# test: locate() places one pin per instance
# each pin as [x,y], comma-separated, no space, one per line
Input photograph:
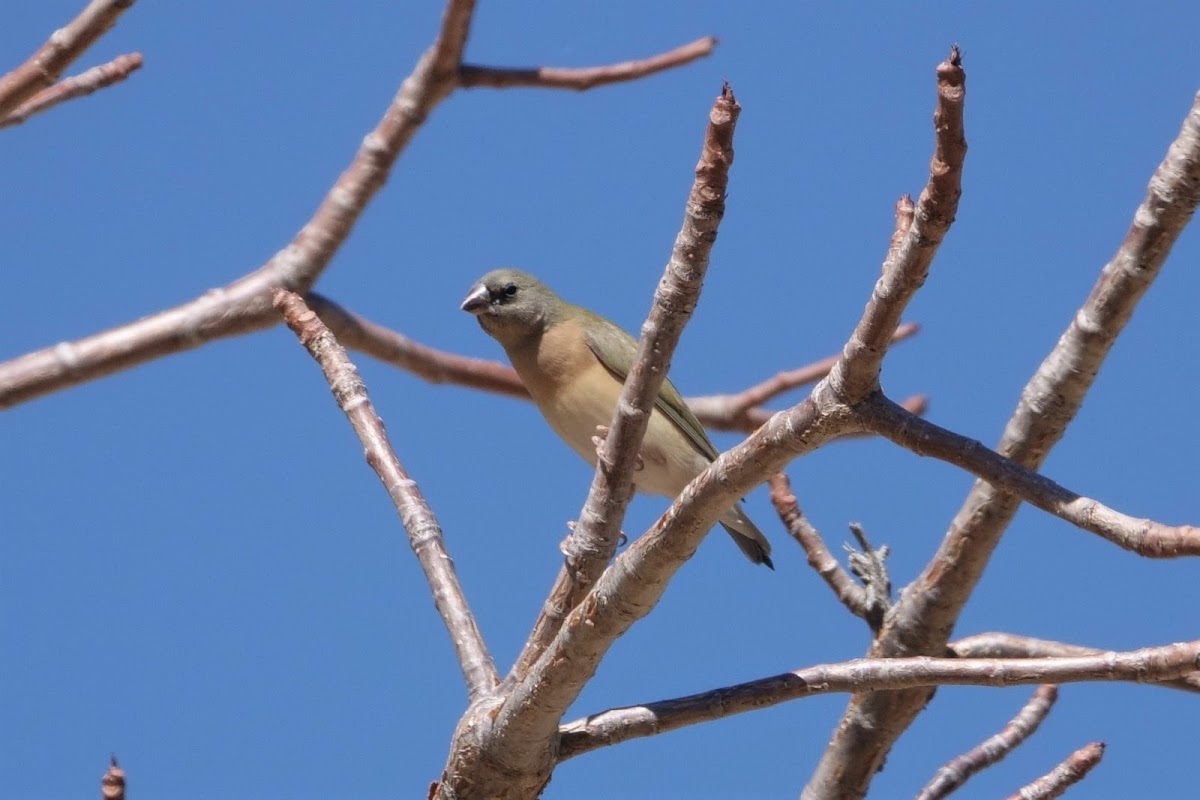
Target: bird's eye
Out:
[510,290]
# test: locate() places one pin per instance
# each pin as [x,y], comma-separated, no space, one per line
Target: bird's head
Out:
[512,305]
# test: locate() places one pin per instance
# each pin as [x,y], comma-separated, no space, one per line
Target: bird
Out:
[574,362]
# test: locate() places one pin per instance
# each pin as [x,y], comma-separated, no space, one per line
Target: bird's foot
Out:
[599,439]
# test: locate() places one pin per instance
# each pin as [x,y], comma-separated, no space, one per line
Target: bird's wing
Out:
[616,350]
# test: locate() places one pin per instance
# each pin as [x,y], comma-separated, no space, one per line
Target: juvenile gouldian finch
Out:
[574,363]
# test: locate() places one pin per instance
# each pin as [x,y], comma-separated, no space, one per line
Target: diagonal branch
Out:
[1142,536]
[633,585]
[1064,776]
[79,85]
[993,749]
[63,47]
[244,305]
[851,595]
[736,406]
[435,366]
[424,533]
[594,539]
[869,675]
[581,78]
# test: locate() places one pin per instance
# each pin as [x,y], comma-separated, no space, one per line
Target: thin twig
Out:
[735,406]
[1064,776]
[79,85]
[581,78]
[988,752]
[869,675]
[424,533]
[63,47]
[820,558]
[1011,645]
[436,366]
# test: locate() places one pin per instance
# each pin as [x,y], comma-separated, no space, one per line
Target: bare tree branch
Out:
[1064,776]
[869,675]
[736,406]
[1011,645]
[506,748]
[852,596]
[960,769]
[581,78]
[909,258]
[79,85]
[244,305]
[1142,536]
[424,533]
[594,539]
[112,785]
[436,366]
[63,47]
[925,616]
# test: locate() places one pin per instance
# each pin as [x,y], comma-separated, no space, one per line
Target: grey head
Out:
[512,305]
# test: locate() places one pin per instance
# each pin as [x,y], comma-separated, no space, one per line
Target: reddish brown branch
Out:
[424,533]
[988,752]
[915,241]
[580,78]
[733,407]
[63,47]
[852,596]
[79,85]
[435,366]
[1064,776]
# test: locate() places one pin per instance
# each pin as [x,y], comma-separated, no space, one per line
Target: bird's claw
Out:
[599,439]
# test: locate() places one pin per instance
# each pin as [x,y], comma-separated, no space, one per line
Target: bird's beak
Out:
[477,301]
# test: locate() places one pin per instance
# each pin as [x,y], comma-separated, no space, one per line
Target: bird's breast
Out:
[576,393]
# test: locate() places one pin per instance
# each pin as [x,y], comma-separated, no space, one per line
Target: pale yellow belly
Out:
[669,462]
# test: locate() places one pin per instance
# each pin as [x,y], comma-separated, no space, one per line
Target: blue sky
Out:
[199,573]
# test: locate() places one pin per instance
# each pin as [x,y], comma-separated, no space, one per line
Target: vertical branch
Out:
[915,242]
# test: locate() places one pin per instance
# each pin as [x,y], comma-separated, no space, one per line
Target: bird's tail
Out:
[747,536]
